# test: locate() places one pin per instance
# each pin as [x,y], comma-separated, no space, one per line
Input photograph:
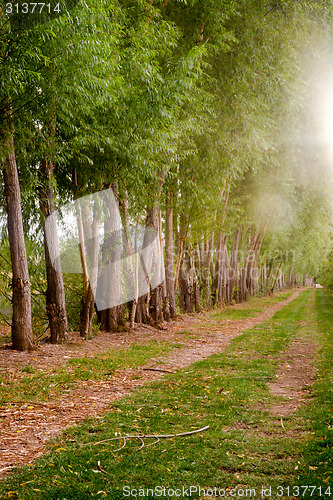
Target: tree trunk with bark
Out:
[132,263]
[195,283]
[186,302]
[112,318]
[153,312]
[251,267]
[189,287]
[218,269]
[222,269]
[90,232]
[264,279]
[233,271]
[149,308]
[169,248]
[242,295]
[156,296]
[22,337]
[205,271]
[251,264]
[141,314]
[219,276]
[276,278]
[55,293]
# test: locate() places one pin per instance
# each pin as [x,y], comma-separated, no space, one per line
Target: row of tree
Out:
[193,113]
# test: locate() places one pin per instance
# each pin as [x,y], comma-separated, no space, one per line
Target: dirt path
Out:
[294,378]
[296,373]
[25,428]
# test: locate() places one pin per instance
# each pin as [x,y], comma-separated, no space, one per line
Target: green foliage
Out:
[325,276]
[204,97]
[38,285]
[28,369]
[73,284]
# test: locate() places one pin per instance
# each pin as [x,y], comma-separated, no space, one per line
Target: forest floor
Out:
[28,422]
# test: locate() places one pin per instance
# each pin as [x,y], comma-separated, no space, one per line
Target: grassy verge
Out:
[319,450]
[252,308]
[34,384]
[245,447]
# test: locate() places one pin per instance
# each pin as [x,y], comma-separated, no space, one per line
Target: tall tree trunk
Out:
[181,238]
[233,271]
[112,318]
[135,276]
[242,266]
[55,293]
[149,308]
[169,279]
[207,298]
[291,277]
[226,272]
[154,310]
[141,313]
[132,264]
[195,283]
[165,297]
[22,338]
[156,297]
[218,268]
[276,277]
[222,269]
[251,263]
[82,249]
[90,231]
[220,257]
[264,279]
[252,275]
[186,302]
[183,268]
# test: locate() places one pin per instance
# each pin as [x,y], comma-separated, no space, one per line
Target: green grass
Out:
[34,384]
[232,313]
[5,338]
[319,451]
[187,334]
[249,309]
[245,446]
[28,369]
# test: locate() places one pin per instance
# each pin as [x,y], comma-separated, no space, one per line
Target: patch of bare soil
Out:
[25,427]
[294,378]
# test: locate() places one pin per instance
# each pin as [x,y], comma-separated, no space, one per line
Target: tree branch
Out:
[148,436]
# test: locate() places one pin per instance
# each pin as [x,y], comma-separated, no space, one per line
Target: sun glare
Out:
[328,115]
[325,112]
